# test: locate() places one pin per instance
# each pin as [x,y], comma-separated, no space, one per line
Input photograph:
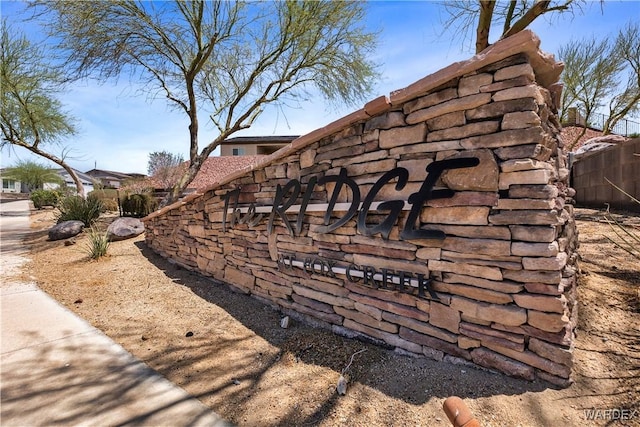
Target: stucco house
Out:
[112,179]
[87,181]
[11,185]
[254,145]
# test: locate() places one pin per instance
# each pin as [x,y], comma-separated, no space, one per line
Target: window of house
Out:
[8,183]
[237,151]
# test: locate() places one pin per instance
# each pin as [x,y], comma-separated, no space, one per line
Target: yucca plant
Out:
[79,209]
[98,243]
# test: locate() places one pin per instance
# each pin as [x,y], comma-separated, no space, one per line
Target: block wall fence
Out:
[619,164]
[437,221]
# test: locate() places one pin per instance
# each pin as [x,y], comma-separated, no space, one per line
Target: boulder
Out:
[599,143]
[65,229]
[124,228]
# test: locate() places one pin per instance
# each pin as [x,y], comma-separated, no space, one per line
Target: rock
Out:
[284,322]
[548,322]
[403,136]
[457,104]
[515,71]
[65,229]
[520,120]
[483,177]
[124,228]
[491,360]
[600,142]
[445,317]
[505,314]
[552,352]
[341,388]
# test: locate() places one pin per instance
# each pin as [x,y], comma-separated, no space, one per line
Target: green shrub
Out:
[110,205]
[137,205]
[79,209]
[42,198]
[98,244]
[109,198]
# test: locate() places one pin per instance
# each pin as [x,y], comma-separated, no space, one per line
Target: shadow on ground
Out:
[239,362]
[413,380]
[80,382]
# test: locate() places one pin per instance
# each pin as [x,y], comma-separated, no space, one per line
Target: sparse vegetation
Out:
[35,175]
[76,208]
[32,116]
[226,61]
[41,198]
[137,205]
[108,197]
[625,238]
[97,244]
[386,387]
[166,168]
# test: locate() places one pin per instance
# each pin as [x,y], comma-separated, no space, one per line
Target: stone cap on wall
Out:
[546,68]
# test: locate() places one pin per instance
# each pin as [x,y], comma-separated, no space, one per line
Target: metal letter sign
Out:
[287,195]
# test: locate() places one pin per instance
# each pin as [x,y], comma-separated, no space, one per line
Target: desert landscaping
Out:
[230,351]
[450,229]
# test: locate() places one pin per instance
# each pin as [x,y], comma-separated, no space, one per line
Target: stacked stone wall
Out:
[437,222]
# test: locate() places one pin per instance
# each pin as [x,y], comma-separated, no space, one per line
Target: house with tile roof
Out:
[112,179]
[254,145]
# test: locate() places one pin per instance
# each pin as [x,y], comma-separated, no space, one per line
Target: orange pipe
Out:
[458,413]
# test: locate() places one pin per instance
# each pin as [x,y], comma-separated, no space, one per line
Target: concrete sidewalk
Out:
[56,369]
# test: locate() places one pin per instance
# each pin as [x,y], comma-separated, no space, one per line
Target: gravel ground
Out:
[229,350]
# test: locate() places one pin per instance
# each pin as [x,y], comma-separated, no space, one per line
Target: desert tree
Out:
[475,20]
[31,116]
[165,167]
[602,73]
[33,174]
[222,60]
[590,77]
[626,101]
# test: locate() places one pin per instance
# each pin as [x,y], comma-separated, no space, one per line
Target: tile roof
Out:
[569,133]
[101,173]
[268,139]
[215,168]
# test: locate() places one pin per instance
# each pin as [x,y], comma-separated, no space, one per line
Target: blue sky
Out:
[118,129]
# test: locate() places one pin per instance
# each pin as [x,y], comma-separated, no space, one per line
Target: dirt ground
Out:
[229,350]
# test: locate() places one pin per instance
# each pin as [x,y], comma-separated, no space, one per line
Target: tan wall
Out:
[502,279]
[13,186]
[249,150]
[619,165]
